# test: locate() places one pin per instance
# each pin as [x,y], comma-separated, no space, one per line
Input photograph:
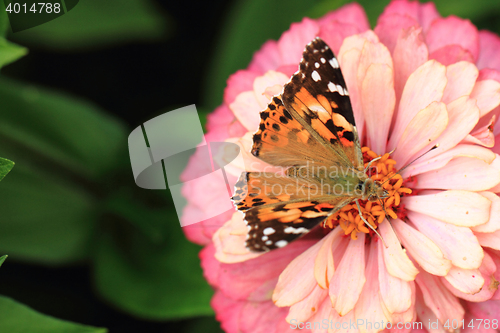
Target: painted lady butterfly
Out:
[308,131]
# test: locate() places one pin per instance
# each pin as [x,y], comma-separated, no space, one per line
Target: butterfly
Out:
[308,132]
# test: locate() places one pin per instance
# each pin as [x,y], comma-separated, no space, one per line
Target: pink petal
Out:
[461,79]
[227,312]
[349,57]
[390,27]
[457,243]
[263,317]
[396,260]
[305,309]
[239,82]
[246,109]
[292,43]
[450,54]
[483,135]
[490,239]
[349,278]
[267,58]
[421,131]
[297,280]
[334,33]
[377,100]
[255,279]
[442,159]
[460,208]
[268,85]
[324,267]
[468,281]
[423,87]
[408,315]
[369,308]
[427,14]
[489,44]
[461,173]
[229,241]
[474,287]
[351,13]
[487,94]
[488,73]
[453,31]
[493,223]
[395,293]
[410,52]
[343,321]
[485,310]
[426,316]
[324,311]
[422,249]
[438,298]
[463,114]
[210,265]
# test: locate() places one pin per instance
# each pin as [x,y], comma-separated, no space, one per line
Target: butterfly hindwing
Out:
[317,97]
[279,209]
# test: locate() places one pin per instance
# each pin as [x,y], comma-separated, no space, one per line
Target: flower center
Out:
[381,170]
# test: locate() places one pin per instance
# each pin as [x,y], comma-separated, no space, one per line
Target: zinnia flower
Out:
[415,81]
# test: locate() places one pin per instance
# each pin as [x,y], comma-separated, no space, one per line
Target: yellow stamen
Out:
[348,217]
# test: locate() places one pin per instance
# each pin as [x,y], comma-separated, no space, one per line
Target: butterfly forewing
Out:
[310,126]
[317,97]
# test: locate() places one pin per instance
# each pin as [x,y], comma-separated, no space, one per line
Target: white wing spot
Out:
[315,76]
[264,238]
[292,230]
[268,231]
[317,65]
[332,87]
[334,63]
[269,242]
[323,60]
[281,243]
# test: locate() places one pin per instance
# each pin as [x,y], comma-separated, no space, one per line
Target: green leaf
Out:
[97,23]
[2,259]
[5,167]
[18,318]
[64,149]
[152,281]
[10,52]
[44,218]
[4,20]
[67,132]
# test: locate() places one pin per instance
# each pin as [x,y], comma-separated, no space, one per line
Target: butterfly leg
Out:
[368,224]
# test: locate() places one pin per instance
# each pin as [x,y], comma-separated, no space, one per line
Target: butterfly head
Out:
[372,190]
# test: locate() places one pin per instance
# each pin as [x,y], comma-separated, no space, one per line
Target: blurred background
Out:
[85,244]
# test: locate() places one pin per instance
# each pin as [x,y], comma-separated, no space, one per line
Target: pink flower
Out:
[414,81]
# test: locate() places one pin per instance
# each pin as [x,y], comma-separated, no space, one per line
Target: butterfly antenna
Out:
[368,224]
[410,163]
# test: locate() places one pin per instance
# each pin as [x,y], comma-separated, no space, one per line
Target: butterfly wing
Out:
[317,97]
[311,122]
[279,209]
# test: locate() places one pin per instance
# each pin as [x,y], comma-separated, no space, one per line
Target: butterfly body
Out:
[308,132]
